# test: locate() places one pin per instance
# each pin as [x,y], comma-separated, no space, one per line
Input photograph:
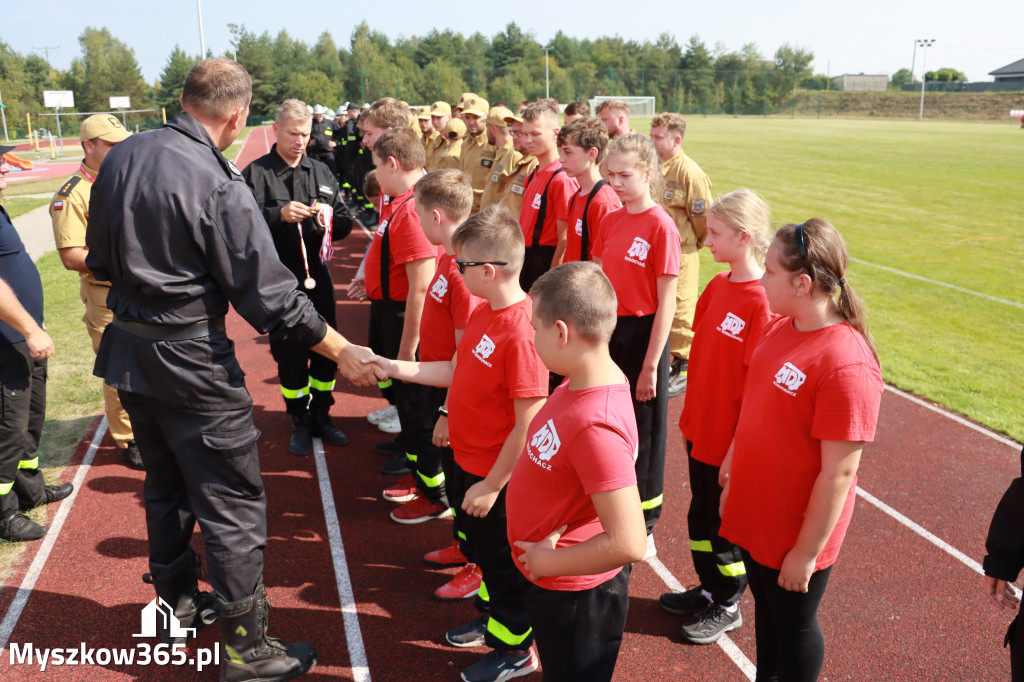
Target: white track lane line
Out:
[955,417]
[728,646]
[349,612]
[926,280]
[49,540]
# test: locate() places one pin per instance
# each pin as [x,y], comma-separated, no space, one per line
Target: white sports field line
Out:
[36,568]
[349,610]
[936,282]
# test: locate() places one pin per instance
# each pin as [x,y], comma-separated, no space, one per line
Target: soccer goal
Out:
[639,107]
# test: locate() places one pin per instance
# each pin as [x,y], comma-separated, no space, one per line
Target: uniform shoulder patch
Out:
[697,206]
[66,188]
[234,169]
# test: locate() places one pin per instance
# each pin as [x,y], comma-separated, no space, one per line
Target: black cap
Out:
[351,105]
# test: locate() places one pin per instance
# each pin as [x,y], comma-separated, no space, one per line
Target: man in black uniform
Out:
[178,234]
[287,184]
[321,139]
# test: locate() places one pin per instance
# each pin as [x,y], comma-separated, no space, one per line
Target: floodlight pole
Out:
[925,44]
[547,77]
[202,38]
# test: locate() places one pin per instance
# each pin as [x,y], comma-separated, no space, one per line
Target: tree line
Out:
[510,65]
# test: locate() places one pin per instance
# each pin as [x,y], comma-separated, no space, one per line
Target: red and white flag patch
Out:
[58,206]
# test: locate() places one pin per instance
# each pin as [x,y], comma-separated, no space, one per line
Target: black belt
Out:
[172,332]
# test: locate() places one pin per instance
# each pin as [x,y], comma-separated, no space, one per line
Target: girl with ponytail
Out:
[810,403]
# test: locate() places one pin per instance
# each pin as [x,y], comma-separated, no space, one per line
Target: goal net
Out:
[639,107]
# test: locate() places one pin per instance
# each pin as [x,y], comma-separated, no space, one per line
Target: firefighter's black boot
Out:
[301,442]
[327,431]
[249,653]
[177,584]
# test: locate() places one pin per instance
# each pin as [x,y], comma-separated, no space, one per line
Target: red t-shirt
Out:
[497,364]
[802,388]
[604,202]
[727,326]
[580,443]
[637,249]
[446,308]
[560,191]
[406,243]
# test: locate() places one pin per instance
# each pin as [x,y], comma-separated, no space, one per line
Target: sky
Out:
[871,37]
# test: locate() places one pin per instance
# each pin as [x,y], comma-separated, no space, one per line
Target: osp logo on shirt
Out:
[439,289]
[382,227]
[483,349]
[579,227]
[731,326]
[536,201]
[789,378]
[546,444]
[638,252]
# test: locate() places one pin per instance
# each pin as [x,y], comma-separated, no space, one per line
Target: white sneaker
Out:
[651,551]
[380,415]
[391,424]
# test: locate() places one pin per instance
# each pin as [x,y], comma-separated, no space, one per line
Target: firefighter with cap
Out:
[454,135]
[477,158]
[24,348]
[178,234]
[515,175]
[508,161]
[69,213]
[321,138]
[430,136]
[301,202]
[440,113]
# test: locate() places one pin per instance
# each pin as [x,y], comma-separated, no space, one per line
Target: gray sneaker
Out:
[468,635]
[677,377]
[711,623]
[686,603]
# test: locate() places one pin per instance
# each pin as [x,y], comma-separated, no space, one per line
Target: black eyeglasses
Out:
[800,245]
[462,264]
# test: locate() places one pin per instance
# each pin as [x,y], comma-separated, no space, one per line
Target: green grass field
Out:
[934,200]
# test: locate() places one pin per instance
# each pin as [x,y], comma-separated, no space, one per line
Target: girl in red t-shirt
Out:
[639,252]
[727,325]
[809,405]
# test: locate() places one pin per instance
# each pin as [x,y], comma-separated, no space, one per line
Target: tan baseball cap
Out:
[512,118]
[499,116]
[105,127]
[461,104]
[440,109]
[475,105]
[454,128]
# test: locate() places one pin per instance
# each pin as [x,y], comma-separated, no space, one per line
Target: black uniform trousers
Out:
[387,319]
[202,465]
[486,545]
[790,645]
[718,562]
[22,412]
[579,634]
[536,262]
[628,347]
[307,378]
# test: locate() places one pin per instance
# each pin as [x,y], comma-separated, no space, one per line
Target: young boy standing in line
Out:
[498,383]
[574,515]
[581,146]
[545,214]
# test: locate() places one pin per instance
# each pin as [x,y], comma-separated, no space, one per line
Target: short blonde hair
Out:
[579,294]
[402,144]
[448,191]
[292,110]
[745,211]
[613,105]
[672,122]
[385,113]
[535,110]
[493,234]
[641,153]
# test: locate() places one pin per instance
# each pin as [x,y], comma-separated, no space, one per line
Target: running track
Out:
[904,603]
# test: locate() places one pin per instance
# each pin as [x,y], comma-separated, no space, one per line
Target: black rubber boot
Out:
[177,584]
[322,427]
[301,442]
[249,653]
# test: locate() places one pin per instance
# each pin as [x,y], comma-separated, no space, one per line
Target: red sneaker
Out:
[420,509]
[447,556]
[403,491]
[464,585]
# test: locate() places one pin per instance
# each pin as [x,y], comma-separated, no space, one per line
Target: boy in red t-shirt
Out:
[498,383]
[399,266]
[581,146]
[545,213]
[442,201]
[574,514]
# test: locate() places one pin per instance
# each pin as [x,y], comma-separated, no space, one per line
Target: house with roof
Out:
[1011,74]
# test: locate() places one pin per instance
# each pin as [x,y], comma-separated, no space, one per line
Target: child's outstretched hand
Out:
[385,365]
[534,553]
